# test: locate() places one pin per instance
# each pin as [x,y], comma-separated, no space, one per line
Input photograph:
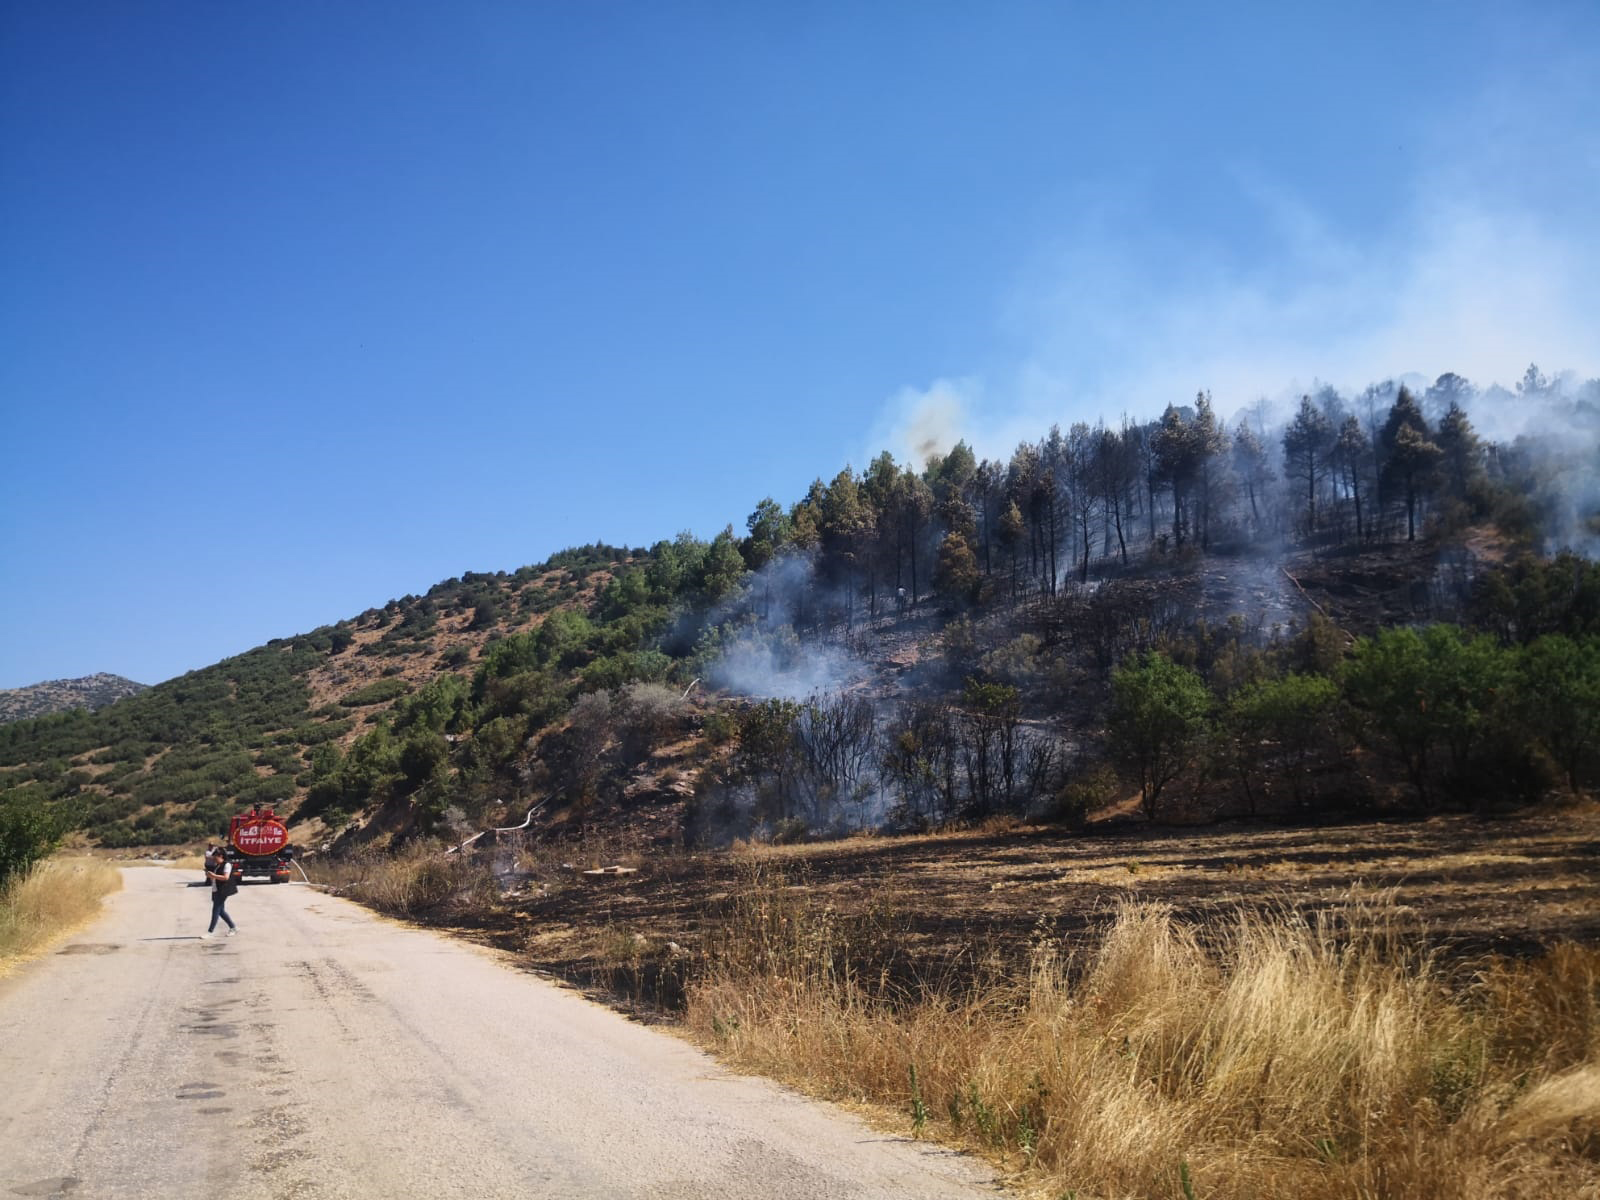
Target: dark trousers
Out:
[217,910]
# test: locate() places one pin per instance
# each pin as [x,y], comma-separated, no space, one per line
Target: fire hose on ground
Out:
[526,821]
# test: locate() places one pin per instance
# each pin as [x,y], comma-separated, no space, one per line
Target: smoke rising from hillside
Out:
[1476,296]
[763,656]
[770,663]
[919,423]
[1483,259]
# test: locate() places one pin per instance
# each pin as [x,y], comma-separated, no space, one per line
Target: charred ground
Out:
[945,906]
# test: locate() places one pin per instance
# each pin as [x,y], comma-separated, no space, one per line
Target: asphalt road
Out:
[326,1052]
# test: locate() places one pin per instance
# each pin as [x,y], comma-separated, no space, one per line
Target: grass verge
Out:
[1275,1057]
[48,900]
[415,882]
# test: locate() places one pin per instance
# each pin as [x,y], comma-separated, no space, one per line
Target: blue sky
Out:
[304,306]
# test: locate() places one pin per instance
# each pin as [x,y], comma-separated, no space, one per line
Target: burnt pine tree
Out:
[1206,444]
[1143,440]
[1082,490]
[1350,453]
[1461,453]
[1409,456]
[1252,467]
[1175,465]
[913,502]
[1305,450]
[1116,469]
[1449,390]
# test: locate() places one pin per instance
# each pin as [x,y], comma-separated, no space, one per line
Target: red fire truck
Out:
[258,844]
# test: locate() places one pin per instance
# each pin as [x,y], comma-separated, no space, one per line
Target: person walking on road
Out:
[223,884]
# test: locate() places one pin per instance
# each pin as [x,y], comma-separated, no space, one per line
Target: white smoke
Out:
[762,655]
[773,663]
[1485,258]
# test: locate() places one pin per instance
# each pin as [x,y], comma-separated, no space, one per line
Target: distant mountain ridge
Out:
[63,695]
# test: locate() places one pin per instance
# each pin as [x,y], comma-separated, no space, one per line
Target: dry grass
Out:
[418,881]
[52,898]
[1265,1056]
[1096,1013]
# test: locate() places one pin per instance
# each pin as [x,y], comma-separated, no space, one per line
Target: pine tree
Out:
[1409,456]
[1461,452]
[1174,464]
[1206,444]
[955,574]
[1350,452]
[1011,534]
[1251,465]
[1305,449]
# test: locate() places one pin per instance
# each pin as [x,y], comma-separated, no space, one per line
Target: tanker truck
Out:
[258,845]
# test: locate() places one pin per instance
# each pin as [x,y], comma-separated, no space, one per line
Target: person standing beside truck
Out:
[223,884]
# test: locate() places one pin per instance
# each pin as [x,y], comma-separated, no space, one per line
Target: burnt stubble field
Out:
[1465,886]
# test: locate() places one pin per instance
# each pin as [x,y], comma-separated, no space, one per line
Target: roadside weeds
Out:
[1278,1057]
[47,902]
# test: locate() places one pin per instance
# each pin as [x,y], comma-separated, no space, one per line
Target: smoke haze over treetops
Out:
[1488,259]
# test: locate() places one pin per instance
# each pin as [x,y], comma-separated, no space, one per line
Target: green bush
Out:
[617,670]
[31,826]
[1283,724]
[1420,693]
[318,734]
[1084,794]
[1558,699]
[377,692]
[267,791]
[1158,722]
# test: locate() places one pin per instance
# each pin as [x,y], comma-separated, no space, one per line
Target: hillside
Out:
[168,766]
[1164,618]
[90,692]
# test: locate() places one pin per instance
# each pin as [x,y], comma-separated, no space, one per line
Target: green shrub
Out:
[1421,693]
[1085,793]
[31,826]
[377,692]
[316,735]
[267,791]
[1158,720]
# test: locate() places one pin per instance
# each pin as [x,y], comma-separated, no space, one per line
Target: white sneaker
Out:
[205,936]
[233,931]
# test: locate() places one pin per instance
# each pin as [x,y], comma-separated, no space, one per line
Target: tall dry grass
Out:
[49,899]
[1279,1057]
[422,879]
[417,881]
